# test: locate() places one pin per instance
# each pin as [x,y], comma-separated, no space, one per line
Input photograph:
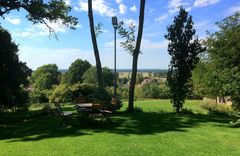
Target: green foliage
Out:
[22,100]
[45,77]
[94,94]
[223,50]
[164,91]
[76,71]
[128,34]
[47,110]
[184,48]
[14,73]
[139,78]
[122,92]
[122,81]
[39,96]
[83,89]
[220,109]
[90,76]
[98,29]
[150,90]
[41,12]
[61,94]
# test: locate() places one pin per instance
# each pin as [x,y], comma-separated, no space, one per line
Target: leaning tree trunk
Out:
[135,57]
[95,46]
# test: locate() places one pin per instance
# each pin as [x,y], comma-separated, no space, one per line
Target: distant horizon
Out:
[127,70]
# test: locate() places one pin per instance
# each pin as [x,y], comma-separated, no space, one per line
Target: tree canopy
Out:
[224,57]
[45,77]
[76,71]
[41,12]
[14,73]
[184,48]
[90,76]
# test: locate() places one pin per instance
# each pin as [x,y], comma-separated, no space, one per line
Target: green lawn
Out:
[158,130]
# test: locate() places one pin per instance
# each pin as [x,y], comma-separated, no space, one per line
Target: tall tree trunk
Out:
[95,46]
[135,57]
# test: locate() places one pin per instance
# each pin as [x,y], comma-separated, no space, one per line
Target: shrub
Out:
[150,90]
[22,100]
[38,96]
[61,93]
[94,94]
[236,122]
[164,91]
[220,109]
[47,110]
[137,92]
[83,89]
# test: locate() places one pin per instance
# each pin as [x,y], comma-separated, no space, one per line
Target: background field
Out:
[156,130]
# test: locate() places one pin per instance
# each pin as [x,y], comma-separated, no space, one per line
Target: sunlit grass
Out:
[158,130]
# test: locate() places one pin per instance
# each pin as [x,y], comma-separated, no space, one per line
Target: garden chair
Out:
[65,115]
[99,109]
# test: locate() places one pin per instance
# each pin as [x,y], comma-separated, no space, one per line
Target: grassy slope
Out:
[156,131]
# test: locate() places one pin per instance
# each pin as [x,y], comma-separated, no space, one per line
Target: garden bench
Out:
[65,115]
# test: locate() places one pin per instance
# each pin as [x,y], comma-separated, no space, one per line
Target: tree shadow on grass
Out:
[34,126]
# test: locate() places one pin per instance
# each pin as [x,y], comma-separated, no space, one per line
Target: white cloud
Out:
[100,6]
[14,21]
[173,6]
[38,30]
[232,10]
[118,1]
[204,3]
[130,22]
[162,18]
[76,9]
[133,8]
[122,9]
[68,2]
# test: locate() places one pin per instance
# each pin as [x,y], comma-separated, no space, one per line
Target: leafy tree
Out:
[76,71]
[150,90]
[184,48]
[164,91]
[122,81]
[203,79]
[90,76]
[62,93]
[223,48]
[45,77]
[139,78]
[41,12]
[14,73]
[94,42]
[134,49]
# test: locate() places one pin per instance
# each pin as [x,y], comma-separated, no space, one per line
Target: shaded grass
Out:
[158,130]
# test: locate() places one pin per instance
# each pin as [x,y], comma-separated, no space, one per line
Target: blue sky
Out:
[38,48]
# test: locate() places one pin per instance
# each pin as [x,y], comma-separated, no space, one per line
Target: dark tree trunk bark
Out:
[135,57]
[95,46]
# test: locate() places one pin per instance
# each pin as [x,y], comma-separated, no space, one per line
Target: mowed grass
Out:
[157,130]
